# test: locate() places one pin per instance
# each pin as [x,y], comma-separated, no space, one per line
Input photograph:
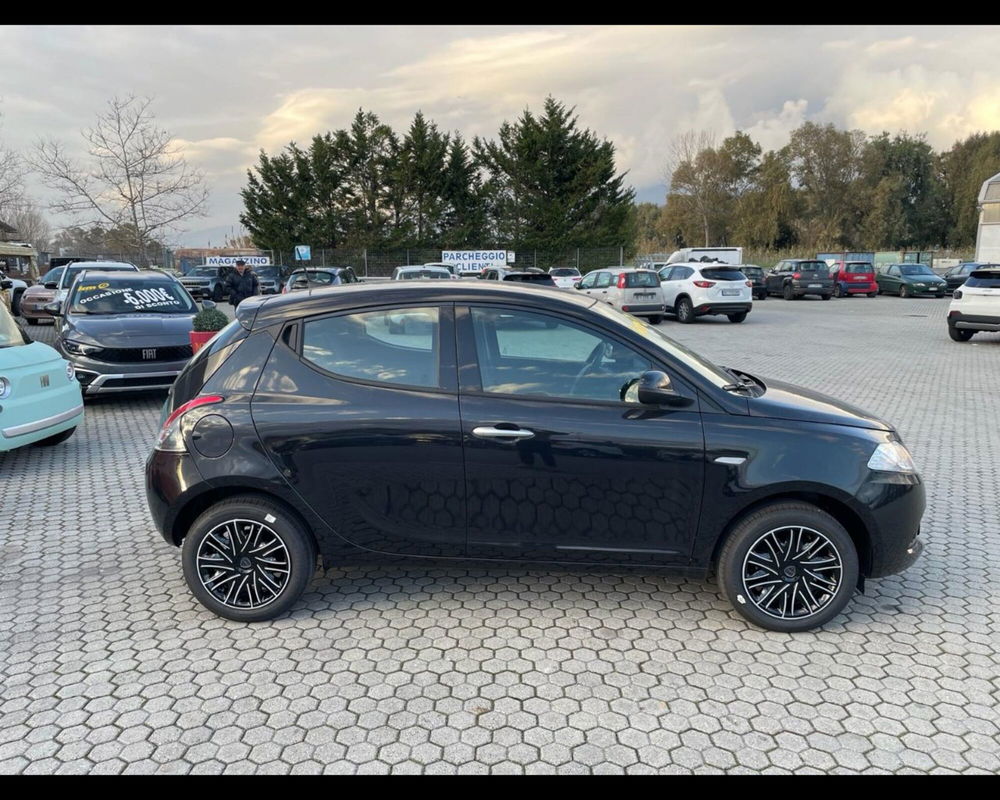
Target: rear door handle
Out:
[487,432]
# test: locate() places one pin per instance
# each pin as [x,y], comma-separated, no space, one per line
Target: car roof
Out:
[113,265]
[626,269]
[262,310]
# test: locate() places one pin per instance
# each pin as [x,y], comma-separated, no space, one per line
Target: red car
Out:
[853,277]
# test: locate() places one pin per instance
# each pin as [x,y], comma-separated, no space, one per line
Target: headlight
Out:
[4,387]
[920,285]
[79,348]
[70,372]
[891,457]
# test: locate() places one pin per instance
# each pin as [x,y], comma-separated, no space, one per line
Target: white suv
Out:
[975,305]
[693,289]
[634,291]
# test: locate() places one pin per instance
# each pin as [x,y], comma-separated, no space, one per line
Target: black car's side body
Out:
[386,473]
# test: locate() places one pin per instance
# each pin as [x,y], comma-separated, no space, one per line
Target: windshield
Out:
[10,334]
[52,276]
[812,266]
[202,272]
[722,274]
[860,267]
[916,269]
[130,296]
[410,275]
[563,272]
[689,358]
[755,272]
[268,272]
[72,272]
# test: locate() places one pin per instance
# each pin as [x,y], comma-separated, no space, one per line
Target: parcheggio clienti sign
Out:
[476,260]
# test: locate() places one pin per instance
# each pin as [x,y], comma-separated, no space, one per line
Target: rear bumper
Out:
[973,322]
[170,482]
[723,308]
[858,288]
[647,308]
[800,290]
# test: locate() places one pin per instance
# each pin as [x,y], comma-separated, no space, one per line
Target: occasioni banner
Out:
[476,260]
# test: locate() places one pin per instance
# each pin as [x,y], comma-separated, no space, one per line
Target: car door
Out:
[359,413]
[891,280]
[603,289]
[558,466]
[775,278]
[672,287]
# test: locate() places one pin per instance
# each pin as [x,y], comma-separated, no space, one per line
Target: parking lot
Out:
[108,664]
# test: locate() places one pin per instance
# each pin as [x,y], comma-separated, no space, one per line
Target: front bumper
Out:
[100,377]
[896,502]
[973,322]
[936,291]
[20,427]
[34,309]
[197,290]
[723,308]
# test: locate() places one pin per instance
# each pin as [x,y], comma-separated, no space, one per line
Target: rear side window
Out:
[635,280]
[722,274]
[401,346]
[984,280]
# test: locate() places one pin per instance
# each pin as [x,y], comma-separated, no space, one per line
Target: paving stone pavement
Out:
[108,665]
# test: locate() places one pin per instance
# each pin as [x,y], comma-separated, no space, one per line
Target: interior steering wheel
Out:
[592,360]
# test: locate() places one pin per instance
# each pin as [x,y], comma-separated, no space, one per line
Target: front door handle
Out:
[487,432]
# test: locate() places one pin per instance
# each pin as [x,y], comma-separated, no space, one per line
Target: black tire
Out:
[739,317]
[218,294]
[762,296]
[872,294]
[58,438]
[788,292]
[684,310]
[656,319]
[959,334]
[736,567]
[15,304]
[904,290]
[31,320]
[837,291]
[294,551]
[826,296]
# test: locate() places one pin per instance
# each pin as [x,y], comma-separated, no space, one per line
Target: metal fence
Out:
[380,263]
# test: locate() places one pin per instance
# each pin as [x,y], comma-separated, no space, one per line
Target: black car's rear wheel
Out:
[837,290]
[788,292]
[655,319]
[738,317]
[248,559]
[789,567]
[959,334]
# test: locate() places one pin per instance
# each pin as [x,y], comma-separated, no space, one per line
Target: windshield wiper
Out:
[742,382]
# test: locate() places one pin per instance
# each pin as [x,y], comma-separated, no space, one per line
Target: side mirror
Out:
[654,388]
[52,285]
[6,284]
[577,286]
[55,309]
[208,304]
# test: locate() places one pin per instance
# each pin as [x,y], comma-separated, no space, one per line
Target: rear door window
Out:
[398,346]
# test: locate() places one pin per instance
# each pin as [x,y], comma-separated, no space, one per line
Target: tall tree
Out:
[555,185]
[276,201]
[463,220]
[962,170]
[422,177]
[134,178]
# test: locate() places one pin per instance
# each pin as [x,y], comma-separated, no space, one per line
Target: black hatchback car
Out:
[507,423]
[797,277]
[125,331]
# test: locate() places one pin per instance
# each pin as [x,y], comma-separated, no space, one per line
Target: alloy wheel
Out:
[243,564]
[792,572]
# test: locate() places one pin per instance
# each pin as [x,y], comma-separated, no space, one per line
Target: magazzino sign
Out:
[477,260]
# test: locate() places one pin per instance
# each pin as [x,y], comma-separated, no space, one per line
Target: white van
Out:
[634,291]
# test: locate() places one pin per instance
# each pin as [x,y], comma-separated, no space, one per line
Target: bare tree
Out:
[12,172]
[689,177]
[30,224]
[134,179]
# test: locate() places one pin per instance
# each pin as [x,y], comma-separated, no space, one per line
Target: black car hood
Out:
[129,330]
[787,401]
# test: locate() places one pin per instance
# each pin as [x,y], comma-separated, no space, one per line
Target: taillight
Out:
[796,275]
[170,439]
[621,280]
[704,284]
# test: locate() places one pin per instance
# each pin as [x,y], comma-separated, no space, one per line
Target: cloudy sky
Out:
[226,92]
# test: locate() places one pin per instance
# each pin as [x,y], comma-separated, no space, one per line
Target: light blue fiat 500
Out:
[40,400]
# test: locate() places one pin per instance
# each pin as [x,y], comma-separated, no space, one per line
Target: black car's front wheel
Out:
[248,559]
[738,317]
[788,567]
[959,334]
[788,292]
